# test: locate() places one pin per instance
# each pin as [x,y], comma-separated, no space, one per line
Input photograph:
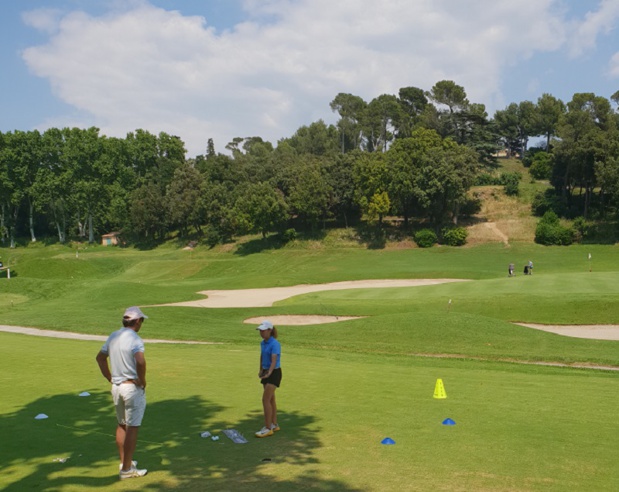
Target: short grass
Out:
[517,427]
[346,385]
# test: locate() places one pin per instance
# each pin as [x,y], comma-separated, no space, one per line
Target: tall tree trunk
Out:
[61,222]
[91,232]
[587,201]
[456,213]
[31,221]
[2,227]
[12,227]
[61,235]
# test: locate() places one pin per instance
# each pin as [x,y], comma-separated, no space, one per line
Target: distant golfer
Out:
[270,375]
[510,270]
[125,350]
[530,267]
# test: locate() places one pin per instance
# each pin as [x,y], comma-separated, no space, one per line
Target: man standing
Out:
[125,350]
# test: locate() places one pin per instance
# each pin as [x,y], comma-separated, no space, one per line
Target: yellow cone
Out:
[439,390]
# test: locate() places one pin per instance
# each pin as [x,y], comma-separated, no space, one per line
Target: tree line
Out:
[414,156]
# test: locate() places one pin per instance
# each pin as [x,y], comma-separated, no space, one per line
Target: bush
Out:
[541,166]
[454,236]
[211,237]
[289,235]
[425,238]
[487,179]
[550,232]
[510,182]
[531,154]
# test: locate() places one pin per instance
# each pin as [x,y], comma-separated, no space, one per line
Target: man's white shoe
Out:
[264,432]
[133,472]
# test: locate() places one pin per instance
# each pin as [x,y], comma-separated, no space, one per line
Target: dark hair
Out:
[274,332]
[127,323]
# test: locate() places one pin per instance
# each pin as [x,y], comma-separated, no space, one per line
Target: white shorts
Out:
[130,403]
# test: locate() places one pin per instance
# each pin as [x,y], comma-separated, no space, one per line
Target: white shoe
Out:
[264,432]
[274,427]
[133,472]
[133,465]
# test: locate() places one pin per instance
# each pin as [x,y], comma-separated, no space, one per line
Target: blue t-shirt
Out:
[268,348]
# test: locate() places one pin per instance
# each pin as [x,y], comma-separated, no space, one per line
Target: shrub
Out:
[454,236]
[551,218]
[486,179]
[541,166]
[425,238]
[550,232]
[289,235]
[211,237]
[531,154]
[510,182]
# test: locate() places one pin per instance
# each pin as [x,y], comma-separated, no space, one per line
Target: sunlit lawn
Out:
[346,385]
[517,427]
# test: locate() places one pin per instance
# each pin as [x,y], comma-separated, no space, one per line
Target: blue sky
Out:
[221,69]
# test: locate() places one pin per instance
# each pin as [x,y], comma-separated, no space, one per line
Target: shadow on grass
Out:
[259,245]
[81,430]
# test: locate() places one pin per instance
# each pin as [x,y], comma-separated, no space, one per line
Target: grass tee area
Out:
[347,385]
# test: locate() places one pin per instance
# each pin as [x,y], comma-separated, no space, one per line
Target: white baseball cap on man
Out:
[134,312]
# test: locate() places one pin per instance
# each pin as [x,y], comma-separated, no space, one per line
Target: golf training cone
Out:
[387,441]
[439,390]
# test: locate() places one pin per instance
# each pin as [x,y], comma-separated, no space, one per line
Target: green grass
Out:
[346,385]
[517,427]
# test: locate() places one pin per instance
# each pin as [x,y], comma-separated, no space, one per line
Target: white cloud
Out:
[601,21]
[613,66]
[45,20]
[145,67]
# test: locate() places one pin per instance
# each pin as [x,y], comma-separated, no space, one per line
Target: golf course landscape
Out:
[287,246]
[532,410]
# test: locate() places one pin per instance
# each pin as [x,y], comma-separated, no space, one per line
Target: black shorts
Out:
[275,378]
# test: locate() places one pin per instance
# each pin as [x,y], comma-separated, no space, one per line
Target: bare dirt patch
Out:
[485,232]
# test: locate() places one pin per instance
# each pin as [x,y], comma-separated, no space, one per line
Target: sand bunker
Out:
[595,332]
[245,298]
[299,319]
[266,297]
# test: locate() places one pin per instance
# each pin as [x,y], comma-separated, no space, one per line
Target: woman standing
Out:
[270,376]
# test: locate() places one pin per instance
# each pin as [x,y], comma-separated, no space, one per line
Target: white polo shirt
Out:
[121,346]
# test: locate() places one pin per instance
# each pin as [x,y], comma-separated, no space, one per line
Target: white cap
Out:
[134,312]
[265,325]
